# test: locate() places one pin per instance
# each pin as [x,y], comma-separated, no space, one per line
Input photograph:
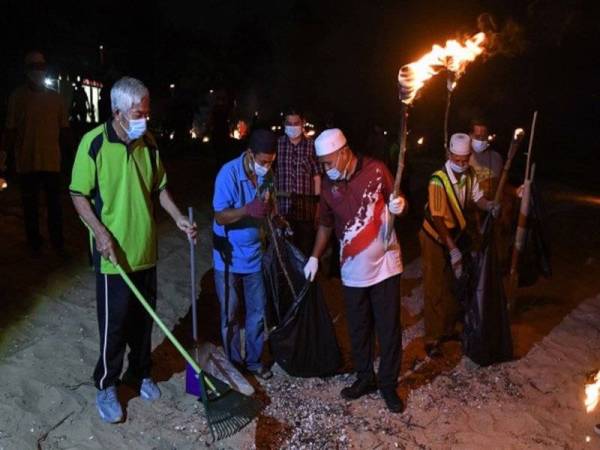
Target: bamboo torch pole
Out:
[405,99]
[513,280]
[512,151]
[450,85]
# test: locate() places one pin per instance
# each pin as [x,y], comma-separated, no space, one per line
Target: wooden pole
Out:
[512,151]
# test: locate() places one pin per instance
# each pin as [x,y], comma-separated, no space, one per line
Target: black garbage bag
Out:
[534,261]
[486,335]
[303,339]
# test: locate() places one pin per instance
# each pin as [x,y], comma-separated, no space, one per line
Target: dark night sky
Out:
[338,58]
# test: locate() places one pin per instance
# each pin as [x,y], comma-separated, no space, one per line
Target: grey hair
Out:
[126,92]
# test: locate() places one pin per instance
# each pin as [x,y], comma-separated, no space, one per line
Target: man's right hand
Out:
[311,267]
[105,244]
[258,208]
[456,261]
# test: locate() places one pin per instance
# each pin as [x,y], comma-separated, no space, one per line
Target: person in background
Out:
[486,163]
[36,126]
[488,166]
[116,175]
[356,201]
[243,199]
[298,180]
[444,242]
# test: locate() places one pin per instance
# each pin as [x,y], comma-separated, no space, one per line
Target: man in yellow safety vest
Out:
[443,239]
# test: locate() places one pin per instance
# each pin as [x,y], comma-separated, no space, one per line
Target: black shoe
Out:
[263,373]
[359,388]
[392,401]
[433,349]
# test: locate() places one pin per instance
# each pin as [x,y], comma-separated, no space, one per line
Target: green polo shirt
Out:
[120,181]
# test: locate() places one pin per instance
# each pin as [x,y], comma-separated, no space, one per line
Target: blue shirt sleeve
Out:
[226,190]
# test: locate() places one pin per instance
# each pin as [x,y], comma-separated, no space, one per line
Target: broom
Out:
[227,411]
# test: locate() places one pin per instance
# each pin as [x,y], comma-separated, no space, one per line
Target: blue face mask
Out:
[334,174]
[137,128]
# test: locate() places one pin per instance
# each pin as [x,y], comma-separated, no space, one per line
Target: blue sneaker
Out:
[149,390]
[108,405]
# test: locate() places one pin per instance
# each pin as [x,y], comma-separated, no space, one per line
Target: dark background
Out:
[337,60]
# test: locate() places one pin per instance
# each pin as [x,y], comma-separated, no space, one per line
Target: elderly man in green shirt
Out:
[117,171]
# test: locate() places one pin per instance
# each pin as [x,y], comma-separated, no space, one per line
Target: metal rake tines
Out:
[225,427]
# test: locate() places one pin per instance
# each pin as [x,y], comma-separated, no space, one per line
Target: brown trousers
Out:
[441,307]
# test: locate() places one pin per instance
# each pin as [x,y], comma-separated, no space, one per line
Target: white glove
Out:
[494,209]
[456,261]
[311,267]
[396,205]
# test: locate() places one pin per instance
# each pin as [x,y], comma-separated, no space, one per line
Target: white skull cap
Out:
[460,144]
[330,141]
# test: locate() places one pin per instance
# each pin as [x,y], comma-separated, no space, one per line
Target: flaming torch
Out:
[453,57]
[591,392]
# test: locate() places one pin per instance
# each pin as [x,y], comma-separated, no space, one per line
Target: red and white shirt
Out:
[358,211]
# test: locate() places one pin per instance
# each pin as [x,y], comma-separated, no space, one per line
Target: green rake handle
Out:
[160,323]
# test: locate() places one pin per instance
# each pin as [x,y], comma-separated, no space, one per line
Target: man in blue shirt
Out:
[242,200]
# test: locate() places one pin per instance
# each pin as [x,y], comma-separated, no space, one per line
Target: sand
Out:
[49,346]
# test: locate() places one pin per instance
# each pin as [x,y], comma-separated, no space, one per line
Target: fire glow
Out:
[454,57]
[591,393]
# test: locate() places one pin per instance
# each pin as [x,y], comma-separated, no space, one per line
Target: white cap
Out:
[460,144]
[330,141]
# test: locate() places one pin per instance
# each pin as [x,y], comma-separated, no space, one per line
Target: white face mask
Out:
[479,146]
[458,169]
[260,171]
[293,131]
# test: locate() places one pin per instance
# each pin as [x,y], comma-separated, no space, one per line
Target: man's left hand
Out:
[396,205]
[184,224]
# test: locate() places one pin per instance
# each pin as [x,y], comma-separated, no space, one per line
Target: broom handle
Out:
[162,326]
[160,323]
[193,279]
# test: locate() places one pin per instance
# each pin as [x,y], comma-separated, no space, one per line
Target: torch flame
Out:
[591,393]
[454,56]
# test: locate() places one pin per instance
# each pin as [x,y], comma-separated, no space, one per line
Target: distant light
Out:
[279,127]
[3,184]
[211,91]
[588,439]
[172,86]
[385,133]
[193,134]
[310,133]
[78,78]
[59,78]
[73,84]
[48,81]
[273,128]
[256,113]
[281,114]
[172,135]
[101,47]
[491,137]
[205,139]
[236,134]
[420,141]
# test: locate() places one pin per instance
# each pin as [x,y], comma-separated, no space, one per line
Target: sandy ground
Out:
[49,345]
